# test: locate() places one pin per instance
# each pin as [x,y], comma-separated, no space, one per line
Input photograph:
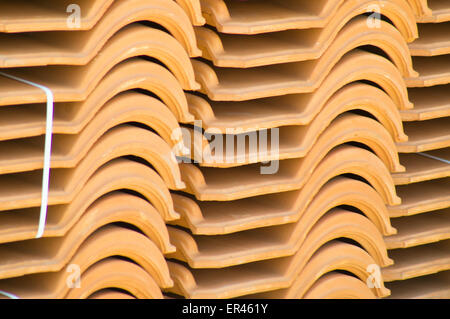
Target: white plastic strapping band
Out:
[8,295]
[47,151]
[435,158]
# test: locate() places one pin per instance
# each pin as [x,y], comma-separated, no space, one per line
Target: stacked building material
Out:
[421,249]
[224,148]
[315,89]
[101,83]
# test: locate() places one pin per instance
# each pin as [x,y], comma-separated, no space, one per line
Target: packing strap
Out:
[47,150]
[435,158]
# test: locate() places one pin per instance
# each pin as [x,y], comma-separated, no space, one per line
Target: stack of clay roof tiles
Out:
[116,82]
[312,140]
[421,249]
[331,81]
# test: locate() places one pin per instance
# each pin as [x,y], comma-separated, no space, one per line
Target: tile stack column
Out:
[117,71]
[421,249]
[324,80]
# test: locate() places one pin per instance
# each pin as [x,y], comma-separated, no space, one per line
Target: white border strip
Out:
[8,295]
[47,151]
[435,158]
